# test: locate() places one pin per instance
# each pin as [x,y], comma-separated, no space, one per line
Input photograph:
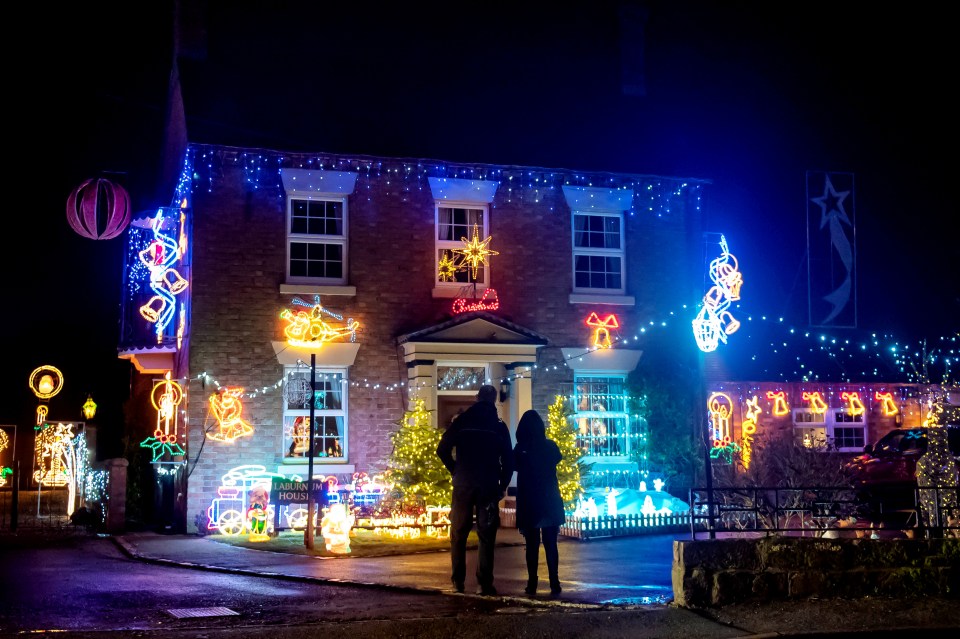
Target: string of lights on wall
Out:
[652,194]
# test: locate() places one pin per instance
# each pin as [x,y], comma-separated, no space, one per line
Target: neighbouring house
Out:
[387,279]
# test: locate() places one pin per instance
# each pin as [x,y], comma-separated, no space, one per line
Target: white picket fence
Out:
[623,525]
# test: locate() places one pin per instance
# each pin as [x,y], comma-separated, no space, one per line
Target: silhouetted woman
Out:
[539,505]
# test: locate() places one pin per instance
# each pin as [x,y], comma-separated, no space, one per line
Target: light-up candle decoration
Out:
[45,382]
[601,333]
[166,396]
[714,322]
[779,399]
[720,408]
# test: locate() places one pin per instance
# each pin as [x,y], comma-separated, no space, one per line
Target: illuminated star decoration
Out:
[311,329]
[833,213]
[166,396]
[446,267]
[714,321]
[475,251]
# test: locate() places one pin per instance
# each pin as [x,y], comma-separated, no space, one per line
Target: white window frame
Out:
[823,426]
[291,413]
[588,252]
[341,240]
[483,274]
[595,445]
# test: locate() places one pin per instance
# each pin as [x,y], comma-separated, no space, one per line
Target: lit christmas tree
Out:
[416,471]
[937,475]
[561,430]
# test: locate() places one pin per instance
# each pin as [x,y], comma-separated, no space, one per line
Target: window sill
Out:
[317,289]
[600,298]
[453,292]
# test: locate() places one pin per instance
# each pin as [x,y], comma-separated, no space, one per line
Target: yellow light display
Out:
[887,405]
[311,329]
[335,528]
[601,333]
[51,446]
[446,267]
[714,322]
[89,408]
[4,444]
[749,428]
[817,405]
[779,399]
[854,403]
[166,396]
[720,407]
[475,251]
[45,382]
[227,409]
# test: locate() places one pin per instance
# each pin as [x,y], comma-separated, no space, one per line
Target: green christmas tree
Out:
[414,468]
[936,473]
[560,429]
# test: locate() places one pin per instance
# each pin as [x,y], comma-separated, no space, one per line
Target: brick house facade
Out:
[233,223]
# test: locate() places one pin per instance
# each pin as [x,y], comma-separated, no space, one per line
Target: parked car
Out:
[885,474]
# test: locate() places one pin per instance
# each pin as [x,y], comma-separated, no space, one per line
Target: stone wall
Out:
[718,572]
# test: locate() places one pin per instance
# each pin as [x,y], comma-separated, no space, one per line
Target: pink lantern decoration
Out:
[98,203]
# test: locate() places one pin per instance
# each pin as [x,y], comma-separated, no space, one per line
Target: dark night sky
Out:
[749,95]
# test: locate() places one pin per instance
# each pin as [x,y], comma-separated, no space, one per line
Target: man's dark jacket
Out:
[484,453]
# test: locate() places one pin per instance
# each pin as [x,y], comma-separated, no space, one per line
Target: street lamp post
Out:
[311,506]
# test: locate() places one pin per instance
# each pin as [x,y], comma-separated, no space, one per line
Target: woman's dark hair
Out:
[530,428]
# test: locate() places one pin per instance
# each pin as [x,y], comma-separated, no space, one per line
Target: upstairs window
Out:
[454,225]
[317,241]
[598,253]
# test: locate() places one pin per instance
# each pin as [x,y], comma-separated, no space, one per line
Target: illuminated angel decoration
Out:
[311,329]
[160,257]
[714,322]
[51,446]
[475,251]
[227,410]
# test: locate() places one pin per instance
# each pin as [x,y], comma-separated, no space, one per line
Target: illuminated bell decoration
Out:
[89,408]
[601,334]
[98,209]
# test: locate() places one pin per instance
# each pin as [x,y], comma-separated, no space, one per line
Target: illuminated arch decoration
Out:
[475,252]
[166,396]
[779,399]
[488,302]
[714,322]
[227,410]
[817,405]
[51,447]
[311,329]
[887,405]
[749,428]
[446,267]
[854,403]
[160,258]
[601,333]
